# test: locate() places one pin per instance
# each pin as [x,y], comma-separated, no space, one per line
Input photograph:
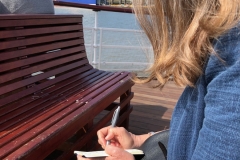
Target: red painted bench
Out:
[49,92]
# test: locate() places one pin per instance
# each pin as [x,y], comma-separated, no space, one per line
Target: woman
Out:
[197,43]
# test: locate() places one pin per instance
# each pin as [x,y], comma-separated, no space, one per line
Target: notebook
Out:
[93,154]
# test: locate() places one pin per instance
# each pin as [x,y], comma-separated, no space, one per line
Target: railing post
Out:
[92,46]
[94,63]
[100,49]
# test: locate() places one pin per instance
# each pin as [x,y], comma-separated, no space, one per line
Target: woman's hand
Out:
[119,137]
[115,153]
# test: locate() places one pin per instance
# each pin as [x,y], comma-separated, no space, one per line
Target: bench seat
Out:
[48,90]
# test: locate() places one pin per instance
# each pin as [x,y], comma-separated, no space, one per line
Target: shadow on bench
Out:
[49,93]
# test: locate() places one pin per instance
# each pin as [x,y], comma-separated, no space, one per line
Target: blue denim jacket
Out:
[206,121]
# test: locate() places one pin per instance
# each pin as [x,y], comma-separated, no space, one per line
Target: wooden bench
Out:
[49,93]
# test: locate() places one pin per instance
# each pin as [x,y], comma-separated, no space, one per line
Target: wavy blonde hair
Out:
[181,32]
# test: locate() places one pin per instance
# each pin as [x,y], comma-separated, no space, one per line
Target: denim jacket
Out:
[206,121]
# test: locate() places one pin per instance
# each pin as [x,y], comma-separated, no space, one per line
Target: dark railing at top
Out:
[94,7]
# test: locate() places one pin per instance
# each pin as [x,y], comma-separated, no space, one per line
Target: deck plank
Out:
[152,107]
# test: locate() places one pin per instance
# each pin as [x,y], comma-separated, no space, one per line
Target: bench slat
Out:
[36,22]
[38,49]
[39,40]
[36,31]
[37,16]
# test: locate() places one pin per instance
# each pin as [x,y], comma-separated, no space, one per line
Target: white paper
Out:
[104,154]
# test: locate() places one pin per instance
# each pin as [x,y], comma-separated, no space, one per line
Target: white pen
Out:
[114,120]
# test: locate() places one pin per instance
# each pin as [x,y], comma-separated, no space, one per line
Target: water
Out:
[113,20]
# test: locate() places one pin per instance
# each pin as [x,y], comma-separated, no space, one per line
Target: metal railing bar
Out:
[115,29]
[100,49]
[122,70]
[120,46]
[128,63]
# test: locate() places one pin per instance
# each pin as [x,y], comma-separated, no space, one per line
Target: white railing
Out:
[96,45]
[108,48]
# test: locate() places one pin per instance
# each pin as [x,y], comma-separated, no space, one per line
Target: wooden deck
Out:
[152,107]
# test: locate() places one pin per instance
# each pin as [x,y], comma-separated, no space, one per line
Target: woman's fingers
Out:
[102,133]
[118,136]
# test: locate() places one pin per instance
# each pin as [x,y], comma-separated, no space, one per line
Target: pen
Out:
[114,120]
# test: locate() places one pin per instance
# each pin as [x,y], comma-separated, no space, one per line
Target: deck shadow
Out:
[146,118]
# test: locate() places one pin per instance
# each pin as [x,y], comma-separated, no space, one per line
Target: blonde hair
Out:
[180,32]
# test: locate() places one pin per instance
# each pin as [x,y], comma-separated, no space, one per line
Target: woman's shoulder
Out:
[227,48]
[228,43]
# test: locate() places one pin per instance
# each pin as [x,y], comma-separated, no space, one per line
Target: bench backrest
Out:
[36,53]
